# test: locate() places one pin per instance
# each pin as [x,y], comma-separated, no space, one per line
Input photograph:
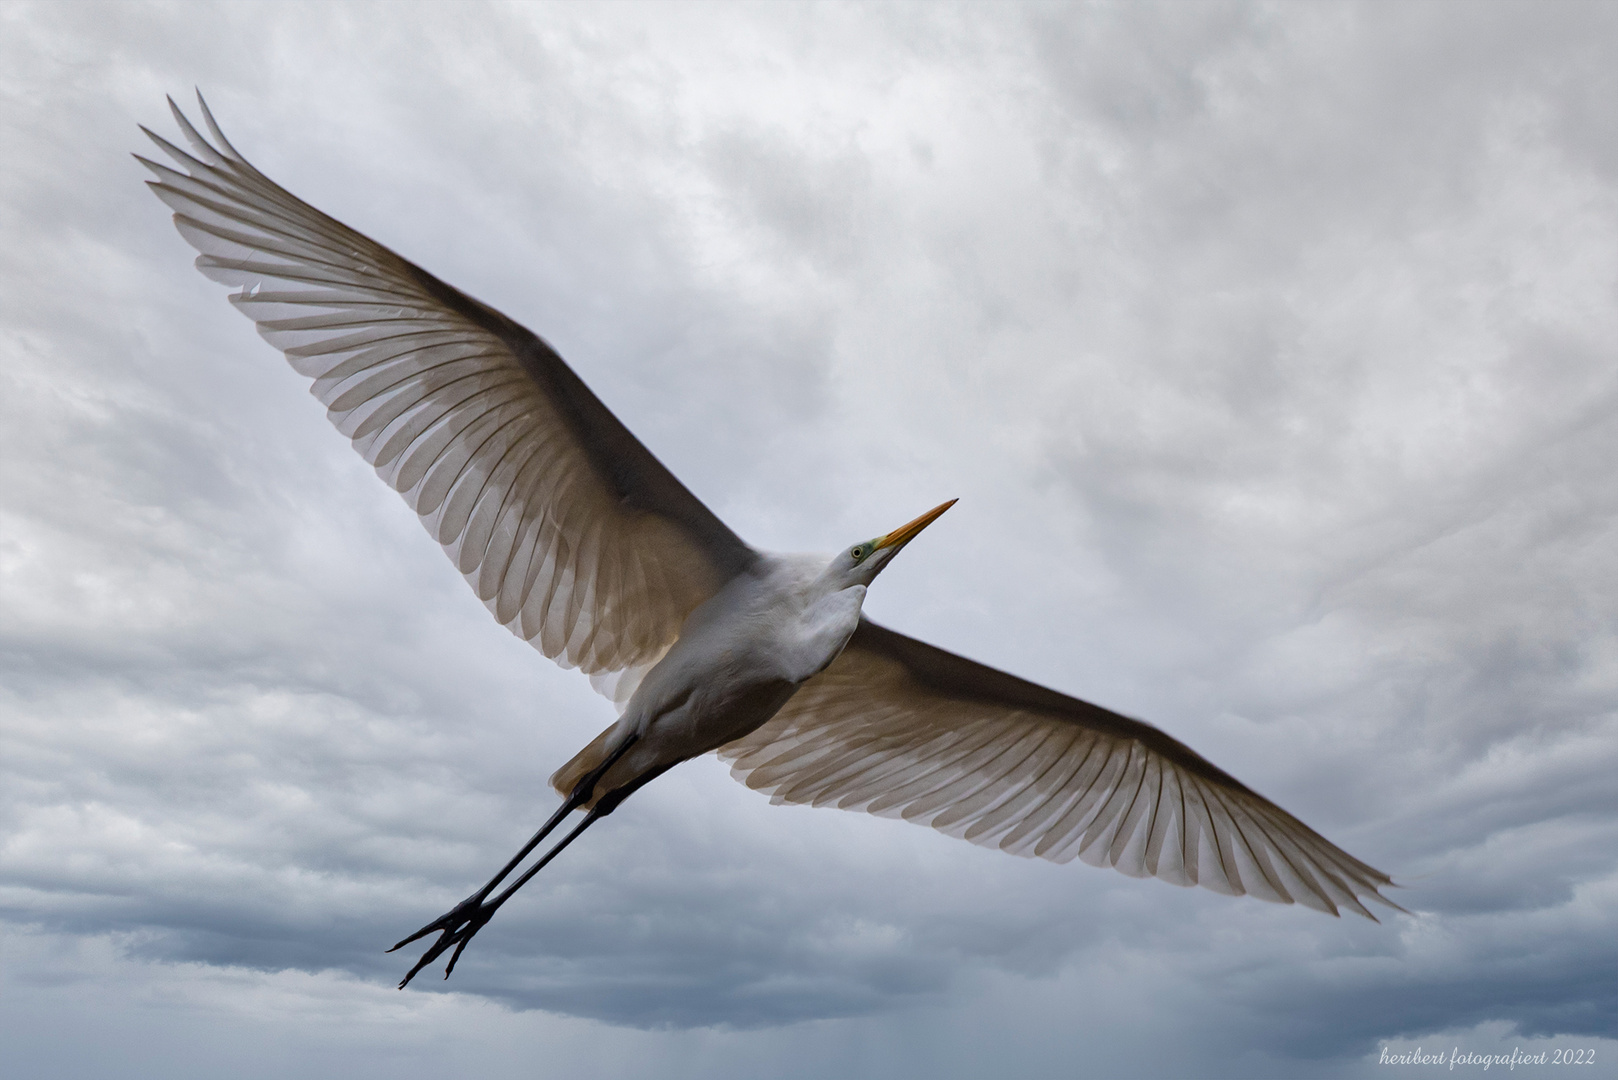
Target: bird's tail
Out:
[565,779]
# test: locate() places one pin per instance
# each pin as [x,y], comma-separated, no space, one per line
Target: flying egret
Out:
[581,543]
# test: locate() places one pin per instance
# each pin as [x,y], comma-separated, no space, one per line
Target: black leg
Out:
[486,912]
[460,923]
[474,920]
[460,912]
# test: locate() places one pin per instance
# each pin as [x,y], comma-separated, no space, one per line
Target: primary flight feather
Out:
[580,542]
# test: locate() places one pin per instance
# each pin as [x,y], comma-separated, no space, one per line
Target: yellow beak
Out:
[905,533]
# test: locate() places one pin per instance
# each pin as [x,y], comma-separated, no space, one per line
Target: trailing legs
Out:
[458,925]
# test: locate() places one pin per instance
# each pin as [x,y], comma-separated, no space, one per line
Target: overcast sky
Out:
[1271,353]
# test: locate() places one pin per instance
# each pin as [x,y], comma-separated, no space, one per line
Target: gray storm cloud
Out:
[1270,350]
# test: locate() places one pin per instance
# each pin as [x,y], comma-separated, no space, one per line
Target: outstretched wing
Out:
[903,729]
[574,535]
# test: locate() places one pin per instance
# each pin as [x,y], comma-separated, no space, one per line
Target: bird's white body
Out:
[739,657]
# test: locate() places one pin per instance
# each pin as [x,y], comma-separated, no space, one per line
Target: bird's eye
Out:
[858,552]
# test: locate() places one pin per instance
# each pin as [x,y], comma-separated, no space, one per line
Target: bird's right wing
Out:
[569,530]
[900,728]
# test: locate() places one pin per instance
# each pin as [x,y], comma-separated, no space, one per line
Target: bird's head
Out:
[860,564]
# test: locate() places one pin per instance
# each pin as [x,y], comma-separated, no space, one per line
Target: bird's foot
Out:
[456,927]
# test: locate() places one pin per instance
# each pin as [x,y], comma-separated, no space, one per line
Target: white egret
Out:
[583,544]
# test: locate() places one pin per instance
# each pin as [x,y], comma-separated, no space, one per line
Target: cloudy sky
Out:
[1270,351]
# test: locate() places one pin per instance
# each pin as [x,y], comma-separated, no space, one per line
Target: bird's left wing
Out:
[569,530]
[900,728]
